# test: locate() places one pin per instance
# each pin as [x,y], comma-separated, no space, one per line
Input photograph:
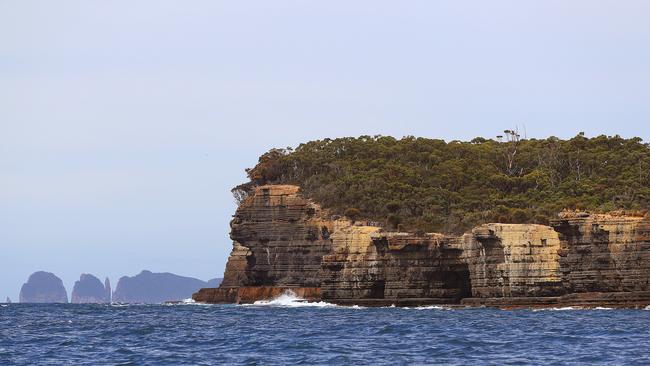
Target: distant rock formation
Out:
[215,282]
[153,288]
[8,300]
[89,290]
[107,288]
[43,287]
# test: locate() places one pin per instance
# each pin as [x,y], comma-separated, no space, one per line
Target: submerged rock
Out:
[154,288]
[89,290]
[43,287]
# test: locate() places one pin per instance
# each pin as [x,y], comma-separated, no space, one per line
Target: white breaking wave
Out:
[289,299]
[565,308]
[183,302]
[424,307]
[432,307]
[647,308]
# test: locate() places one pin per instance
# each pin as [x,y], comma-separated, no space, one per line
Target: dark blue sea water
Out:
[285,333]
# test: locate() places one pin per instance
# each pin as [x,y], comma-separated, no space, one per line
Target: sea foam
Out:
[289,299]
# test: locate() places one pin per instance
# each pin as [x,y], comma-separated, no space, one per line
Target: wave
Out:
[433,307]
[564,308]
[289,299]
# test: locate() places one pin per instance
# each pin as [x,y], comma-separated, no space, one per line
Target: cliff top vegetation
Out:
[431,185]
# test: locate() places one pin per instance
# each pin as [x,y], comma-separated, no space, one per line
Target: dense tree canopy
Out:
[433,185]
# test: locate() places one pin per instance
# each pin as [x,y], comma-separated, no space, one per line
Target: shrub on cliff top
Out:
[453,186]
[352,214]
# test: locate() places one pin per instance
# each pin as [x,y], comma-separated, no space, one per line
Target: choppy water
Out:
[288,332]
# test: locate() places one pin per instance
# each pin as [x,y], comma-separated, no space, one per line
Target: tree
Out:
[432,185]
[510,151]
[393,206]
[352,214]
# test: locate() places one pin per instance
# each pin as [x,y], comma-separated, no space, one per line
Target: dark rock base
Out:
[248,295]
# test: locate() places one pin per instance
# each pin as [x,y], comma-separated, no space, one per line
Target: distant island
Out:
[149,287]
[43,287]
[146,287]
[506,221]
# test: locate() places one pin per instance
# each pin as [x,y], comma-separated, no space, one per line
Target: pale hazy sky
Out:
[124,124]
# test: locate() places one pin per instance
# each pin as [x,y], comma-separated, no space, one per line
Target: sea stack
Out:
[8,300]
[89,290]
[107,290]
[43,287]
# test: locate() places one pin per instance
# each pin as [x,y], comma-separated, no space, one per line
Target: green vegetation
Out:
[430,185]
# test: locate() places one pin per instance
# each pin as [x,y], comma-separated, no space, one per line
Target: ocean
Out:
[287,331]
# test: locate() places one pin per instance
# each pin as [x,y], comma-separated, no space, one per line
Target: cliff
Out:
[90,290]
[282,241]
[43,287]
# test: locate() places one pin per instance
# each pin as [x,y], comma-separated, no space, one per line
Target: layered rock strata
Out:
[282,241]
[513,260]
[279,240]
[604,253]
[374,268]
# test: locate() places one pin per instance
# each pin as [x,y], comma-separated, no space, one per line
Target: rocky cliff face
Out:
[279,239]
[511,260]
[284,241]
[43,287]
[604,253]
[90,290]
[370,267]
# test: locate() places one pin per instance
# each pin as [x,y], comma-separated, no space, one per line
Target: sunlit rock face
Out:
[510,260]
[282,240]
[43,287]
[89,290]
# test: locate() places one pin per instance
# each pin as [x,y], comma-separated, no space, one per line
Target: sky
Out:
[124,124]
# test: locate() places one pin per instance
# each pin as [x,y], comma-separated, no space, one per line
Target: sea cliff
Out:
[284,241]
